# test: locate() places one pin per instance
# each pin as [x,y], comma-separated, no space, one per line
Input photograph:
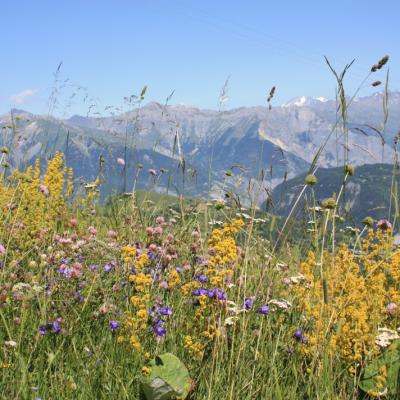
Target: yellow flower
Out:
[128,253]
[142,261]
[195,349]
[173,279]
[146,370]
[134,342]
[344,300]
[142,314]
[141,281]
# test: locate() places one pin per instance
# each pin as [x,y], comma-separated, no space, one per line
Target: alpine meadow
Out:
[183,244]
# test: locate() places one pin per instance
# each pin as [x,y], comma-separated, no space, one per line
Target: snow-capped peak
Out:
[298,102]
[304,101]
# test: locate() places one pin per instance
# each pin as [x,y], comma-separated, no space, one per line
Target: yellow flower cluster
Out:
[141,281]
[142,261]
[223,254]
[134,342]
[189,287]
[223,249]
[195,349]
[173,278]
[201,308]
[128,253]
[140,301]
[31,206]
[345,299]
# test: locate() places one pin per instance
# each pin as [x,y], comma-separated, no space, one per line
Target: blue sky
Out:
[115,47]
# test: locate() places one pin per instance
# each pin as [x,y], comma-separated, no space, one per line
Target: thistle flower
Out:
[44,189]
[391,308]
[150,231]
[368,221]
[310,180]
[92,230]
[349,169]
[112,234]
[158,230]
[163,285]
[160,220]
[384,225]
[152,172]
[329,204]
[73,222]
[2,249]
[121,161]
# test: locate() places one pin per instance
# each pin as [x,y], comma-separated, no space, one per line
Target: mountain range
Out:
[199,152]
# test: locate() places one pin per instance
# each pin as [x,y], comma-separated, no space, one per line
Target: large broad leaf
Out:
[372,384]
[169,379]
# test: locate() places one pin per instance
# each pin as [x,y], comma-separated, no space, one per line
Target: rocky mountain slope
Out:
[196,147]
[369,192]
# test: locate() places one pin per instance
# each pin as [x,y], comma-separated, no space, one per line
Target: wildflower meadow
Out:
[91,294]
[153,294]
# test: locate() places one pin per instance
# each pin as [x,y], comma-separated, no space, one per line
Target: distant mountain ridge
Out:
[366,193]
[281,141]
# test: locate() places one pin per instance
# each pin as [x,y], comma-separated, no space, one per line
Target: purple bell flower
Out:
[298,334]
[164,311]
[248,303]
[202,278]
[263,310]
[42,330]
[56,327]
[200,292]
[114,325]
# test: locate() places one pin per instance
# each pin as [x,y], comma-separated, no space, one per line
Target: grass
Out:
[254,306]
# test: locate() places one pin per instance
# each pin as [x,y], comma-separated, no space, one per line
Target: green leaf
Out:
[389,361]
[168,379]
